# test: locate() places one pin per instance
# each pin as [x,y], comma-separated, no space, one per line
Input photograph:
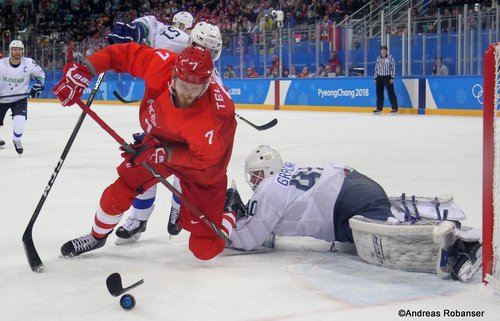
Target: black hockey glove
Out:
[234,204]
[36,90]
[126,32]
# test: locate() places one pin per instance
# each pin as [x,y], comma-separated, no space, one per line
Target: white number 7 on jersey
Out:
[210,135]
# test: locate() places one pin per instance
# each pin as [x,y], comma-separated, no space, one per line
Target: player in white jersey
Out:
[16,72]
[150,31]
[319,202]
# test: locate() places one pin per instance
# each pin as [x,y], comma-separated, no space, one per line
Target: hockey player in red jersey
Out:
[190,125]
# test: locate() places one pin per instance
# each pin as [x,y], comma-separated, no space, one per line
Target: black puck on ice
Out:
[127,301]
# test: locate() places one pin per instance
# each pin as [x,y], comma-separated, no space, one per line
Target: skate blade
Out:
[132,239]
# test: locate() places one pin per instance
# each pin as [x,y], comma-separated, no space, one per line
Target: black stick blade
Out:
[271,124]
[29,248]
[268,125]
[114,284]
[122,99]
[115,287]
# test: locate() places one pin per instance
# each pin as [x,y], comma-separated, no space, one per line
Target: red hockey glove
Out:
[228,223]
[155,154]
[76,78]
[147,149]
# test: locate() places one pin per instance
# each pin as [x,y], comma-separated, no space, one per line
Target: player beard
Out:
[184,101]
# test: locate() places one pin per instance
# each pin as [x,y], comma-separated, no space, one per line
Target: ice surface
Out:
[421,155]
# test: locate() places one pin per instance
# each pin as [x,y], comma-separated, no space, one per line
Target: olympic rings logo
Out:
[477,92]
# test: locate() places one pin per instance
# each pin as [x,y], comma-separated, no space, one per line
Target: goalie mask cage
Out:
[491,166]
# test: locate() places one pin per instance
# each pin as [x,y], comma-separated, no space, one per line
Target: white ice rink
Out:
[422,155]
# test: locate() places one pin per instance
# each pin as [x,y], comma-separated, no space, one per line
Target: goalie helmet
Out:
[208,36]
[263,162]
[16,44]
[194,65]
[184,18]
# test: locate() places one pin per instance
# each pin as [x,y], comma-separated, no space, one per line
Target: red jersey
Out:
[199,138]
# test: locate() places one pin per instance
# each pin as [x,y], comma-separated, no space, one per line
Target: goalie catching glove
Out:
[76,78]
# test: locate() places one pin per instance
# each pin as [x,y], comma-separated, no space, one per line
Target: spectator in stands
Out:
[276,73]
[293,72]
[321,72]
[268,73]
[339,72]
[229,72]
[333,61]
[329,72]
[439,69]
[325,28]
[305,73]
[286,73]
[251,73]
[275,64]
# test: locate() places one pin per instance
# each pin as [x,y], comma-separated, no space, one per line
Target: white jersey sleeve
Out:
[295,202]
[16,80]
[162,36]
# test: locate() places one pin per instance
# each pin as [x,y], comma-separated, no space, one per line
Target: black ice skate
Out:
[81,245]
[130,231]
[469,261]
[172,227]
[2,144]
[18,146]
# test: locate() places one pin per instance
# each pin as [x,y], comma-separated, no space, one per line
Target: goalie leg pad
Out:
[402,246]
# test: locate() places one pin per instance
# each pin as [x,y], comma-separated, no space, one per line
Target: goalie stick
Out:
[115,287]
[34,260]
[268,125]
[127,148]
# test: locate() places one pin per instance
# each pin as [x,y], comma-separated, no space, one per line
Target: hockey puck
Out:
[127,301]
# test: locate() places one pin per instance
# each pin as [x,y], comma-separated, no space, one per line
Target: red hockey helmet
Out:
[194,65]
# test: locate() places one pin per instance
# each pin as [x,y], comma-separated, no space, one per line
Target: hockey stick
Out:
[268,125]
[115,287]
[29,247]
[123,100]
[15,95]
[127,148]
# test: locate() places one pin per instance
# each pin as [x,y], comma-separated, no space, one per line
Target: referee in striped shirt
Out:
[385,70]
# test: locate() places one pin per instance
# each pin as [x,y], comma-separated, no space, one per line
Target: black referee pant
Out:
[384,81]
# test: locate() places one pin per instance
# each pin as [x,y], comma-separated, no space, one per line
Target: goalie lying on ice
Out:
[338,204]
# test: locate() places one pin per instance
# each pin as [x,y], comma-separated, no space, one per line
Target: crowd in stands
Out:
[81,26]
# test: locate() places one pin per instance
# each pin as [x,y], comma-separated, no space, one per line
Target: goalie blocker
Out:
[430,246]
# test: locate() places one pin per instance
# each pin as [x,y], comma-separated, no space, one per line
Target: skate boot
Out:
[130,231]
[81,245]
[18,146]
[2,144]
[469,261]
[173,228]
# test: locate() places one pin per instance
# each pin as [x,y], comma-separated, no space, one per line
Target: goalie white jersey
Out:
[16,80]
[295,202]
